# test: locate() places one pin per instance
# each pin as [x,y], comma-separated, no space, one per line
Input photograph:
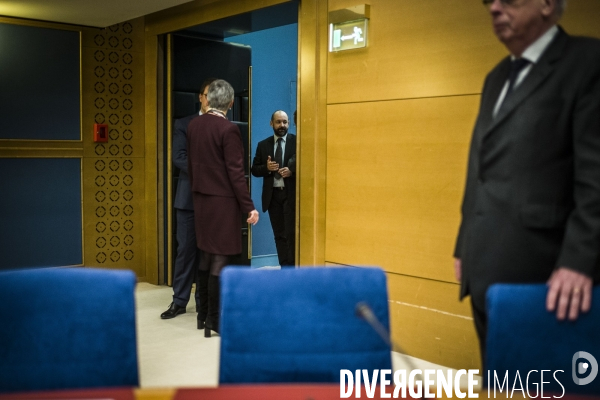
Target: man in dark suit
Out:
[185,269]
[531,207]
[271,162]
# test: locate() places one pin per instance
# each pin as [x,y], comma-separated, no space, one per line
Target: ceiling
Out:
[97,13]
[257,20]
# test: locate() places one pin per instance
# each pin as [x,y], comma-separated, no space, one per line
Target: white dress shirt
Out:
[532,54]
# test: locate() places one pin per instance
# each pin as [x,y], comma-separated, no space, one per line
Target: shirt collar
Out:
[284,137]
[537,48]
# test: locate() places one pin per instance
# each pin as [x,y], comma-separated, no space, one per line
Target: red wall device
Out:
[100,133]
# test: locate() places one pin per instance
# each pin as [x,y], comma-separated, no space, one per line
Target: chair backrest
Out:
[523,336]
[65,328]
[299,325]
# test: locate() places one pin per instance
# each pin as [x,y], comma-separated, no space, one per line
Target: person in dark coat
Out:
[219,190]
[185,268]
[275,162]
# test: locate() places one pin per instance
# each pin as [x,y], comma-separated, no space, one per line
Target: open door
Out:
[191,60]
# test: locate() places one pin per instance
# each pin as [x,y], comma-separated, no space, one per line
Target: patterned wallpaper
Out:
[113,172]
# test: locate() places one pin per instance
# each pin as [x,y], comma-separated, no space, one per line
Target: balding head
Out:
[280,123]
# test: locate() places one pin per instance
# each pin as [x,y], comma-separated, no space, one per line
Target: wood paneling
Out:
[312,140]
[415,49]
[113,214]
[113,90]
[581,18]
[429,48]
[114,198]
[395,173]
[40,148]
[429,322]
[39,24]
[399,119]
[151,151]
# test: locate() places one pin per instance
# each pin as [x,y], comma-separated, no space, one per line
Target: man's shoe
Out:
[173,311]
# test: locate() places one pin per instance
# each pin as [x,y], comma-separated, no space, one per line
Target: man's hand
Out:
[285,172]
[457,269]
[272,165]
[252,217]
[572,290]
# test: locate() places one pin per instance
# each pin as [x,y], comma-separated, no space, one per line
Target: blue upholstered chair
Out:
[299,325]
[65,328]
[523,336]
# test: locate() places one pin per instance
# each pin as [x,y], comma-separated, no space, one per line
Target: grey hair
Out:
[560,7]
[220,95]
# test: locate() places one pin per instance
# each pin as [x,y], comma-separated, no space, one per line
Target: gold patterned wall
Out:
[113,172]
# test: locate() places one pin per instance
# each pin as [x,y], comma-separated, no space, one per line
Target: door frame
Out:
[311,152]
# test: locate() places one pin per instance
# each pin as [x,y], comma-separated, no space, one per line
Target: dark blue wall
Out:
[40,212]
[39,83]
[40,201]
[274,75]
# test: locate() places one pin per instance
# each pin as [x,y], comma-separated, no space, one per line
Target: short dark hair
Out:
[273,115]
[206,83]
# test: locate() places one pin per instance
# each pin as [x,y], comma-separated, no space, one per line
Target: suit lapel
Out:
[271,146]
[491,94]
[290,149]
[538,74]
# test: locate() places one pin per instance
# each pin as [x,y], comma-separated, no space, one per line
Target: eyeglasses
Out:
[503,2]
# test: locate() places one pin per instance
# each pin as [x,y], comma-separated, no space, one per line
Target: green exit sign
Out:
[348,35]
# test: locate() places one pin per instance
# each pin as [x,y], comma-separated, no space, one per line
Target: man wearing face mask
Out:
[271,162]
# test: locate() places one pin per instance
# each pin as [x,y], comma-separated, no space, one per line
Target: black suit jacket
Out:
[532,195]
[264,149]
[183,195]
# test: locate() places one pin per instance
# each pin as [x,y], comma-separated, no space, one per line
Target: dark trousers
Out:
[480,320]
[186,262]
[282,212]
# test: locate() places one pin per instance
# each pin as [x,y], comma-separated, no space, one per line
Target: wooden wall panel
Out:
[581,18]
[429,322]
[429,48]
[312,140]
[113,88]
[113,208]
[395,173]
[399,120]
[415,49]
[114,172]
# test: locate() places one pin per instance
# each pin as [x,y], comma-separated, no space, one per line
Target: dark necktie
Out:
[279,157]
[515,67]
